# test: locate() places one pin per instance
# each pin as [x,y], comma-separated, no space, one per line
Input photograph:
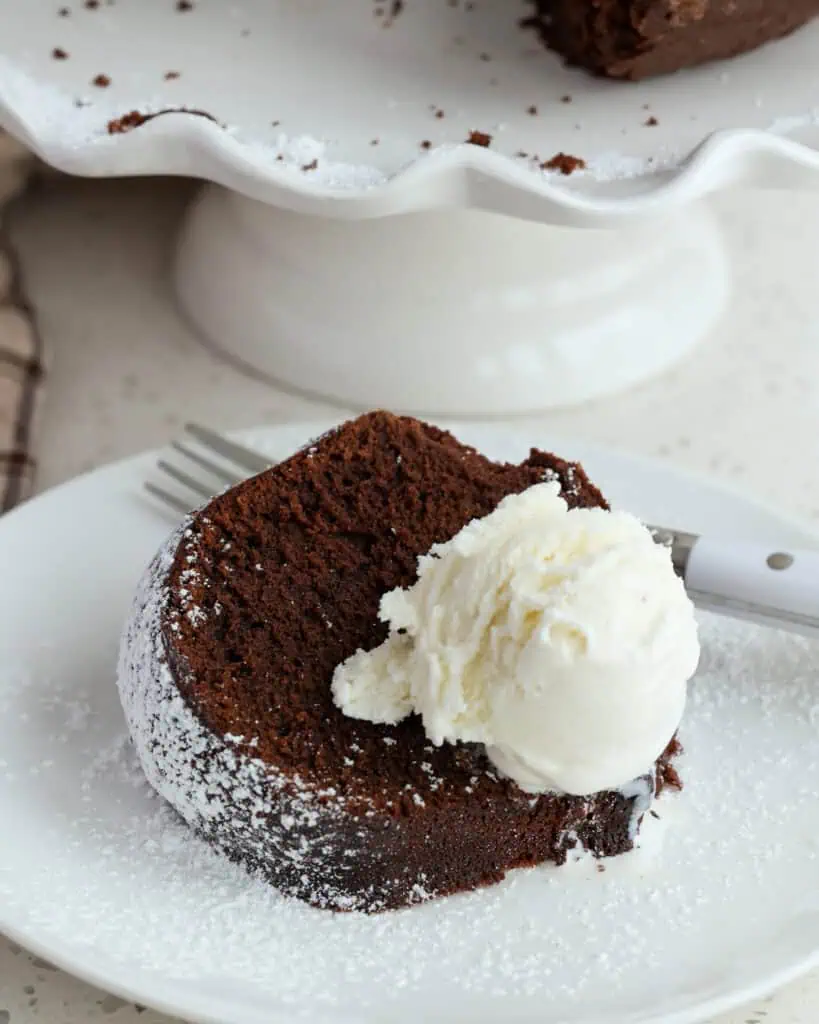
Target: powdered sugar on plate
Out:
[133,881]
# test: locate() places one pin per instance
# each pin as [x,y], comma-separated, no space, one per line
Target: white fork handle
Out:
[775,587]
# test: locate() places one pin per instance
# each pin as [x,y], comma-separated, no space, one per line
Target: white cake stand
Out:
[353,244]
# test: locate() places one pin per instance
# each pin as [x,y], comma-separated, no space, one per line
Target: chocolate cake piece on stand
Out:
[636,39]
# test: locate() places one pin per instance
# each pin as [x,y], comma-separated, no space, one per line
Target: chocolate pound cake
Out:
[226,667]
[636,39]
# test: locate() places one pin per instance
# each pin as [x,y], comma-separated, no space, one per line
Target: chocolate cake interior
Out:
[298,561]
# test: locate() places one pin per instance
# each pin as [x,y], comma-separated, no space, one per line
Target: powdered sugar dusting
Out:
[217,788]
[45,110]
[54,117]
[133,883]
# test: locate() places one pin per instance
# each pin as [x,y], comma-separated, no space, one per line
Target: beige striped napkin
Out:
[21,367]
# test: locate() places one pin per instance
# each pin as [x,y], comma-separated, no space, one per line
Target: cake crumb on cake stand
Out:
[325,124]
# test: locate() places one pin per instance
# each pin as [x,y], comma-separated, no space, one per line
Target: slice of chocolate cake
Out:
[226,668]
[636,39]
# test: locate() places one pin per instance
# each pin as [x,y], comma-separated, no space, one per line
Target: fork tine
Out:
[169,499]
[244,457]
[183,478]
[243,460]
[218,471]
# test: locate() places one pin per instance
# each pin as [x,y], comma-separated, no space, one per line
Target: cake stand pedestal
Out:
[453,312]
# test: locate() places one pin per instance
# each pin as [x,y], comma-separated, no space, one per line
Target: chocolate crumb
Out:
[312,166]
[135,118]
[479,139]
[564,163]
[485,57]
[601,867]
[440,114]
[92,5]
[375,142]
[101,81]
[566,99]
[171,75]
[58,53]
[671,777]
[667,775]
[396,7]
[64,12]
[126,123]
[275,124]
[184,5]
[651,122]
[426,144]
[532,111]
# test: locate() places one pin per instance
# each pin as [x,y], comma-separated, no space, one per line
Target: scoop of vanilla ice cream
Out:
[560,638]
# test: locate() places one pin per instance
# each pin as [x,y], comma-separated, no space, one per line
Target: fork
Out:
[236,463]
[778,588]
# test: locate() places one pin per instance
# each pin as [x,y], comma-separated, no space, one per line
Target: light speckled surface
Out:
[745,407]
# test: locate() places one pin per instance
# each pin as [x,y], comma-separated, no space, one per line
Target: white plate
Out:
[320,80]
[98,876]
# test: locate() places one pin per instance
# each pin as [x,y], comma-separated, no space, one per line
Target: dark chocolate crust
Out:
[634,39]
[227,663]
